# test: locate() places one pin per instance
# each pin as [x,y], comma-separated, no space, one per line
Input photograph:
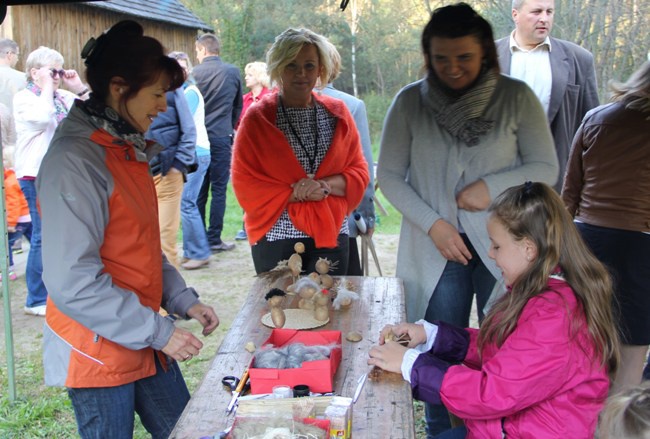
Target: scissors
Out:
[231,382]
[237,387]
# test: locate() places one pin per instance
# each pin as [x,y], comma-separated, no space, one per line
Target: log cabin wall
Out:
[67,27]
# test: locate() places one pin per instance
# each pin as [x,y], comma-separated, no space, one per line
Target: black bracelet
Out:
[85,90]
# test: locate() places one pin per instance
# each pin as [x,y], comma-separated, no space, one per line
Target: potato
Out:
[299,247]
[278,317]
[353,336]
[321,313]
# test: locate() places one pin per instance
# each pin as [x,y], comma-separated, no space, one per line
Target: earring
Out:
[120,90]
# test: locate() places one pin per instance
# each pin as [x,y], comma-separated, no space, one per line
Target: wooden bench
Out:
[385,406]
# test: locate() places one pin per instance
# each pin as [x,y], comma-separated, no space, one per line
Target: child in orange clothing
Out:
[19,222]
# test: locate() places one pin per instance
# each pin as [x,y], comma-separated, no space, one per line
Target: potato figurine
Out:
[275,298]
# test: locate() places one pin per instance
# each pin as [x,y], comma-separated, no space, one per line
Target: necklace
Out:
[311,158]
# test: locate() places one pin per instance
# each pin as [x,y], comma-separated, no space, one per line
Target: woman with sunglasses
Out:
[38,110]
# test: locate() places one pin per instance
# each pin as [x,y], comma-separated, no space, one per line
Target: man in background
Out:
[11,80]
[220,85]
[561,73]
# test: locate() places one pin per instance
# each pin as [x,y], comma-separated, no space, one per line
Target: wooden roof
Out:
[166,11]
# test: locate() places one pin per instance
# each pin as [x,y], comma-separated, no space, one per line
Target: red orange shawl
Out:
[264,167]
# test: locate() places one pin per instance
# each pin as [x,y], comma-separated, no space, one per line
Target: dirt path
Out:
[224,285]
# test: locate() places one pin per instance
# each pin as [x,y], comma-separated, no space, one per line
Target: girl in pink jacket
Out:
[539,366]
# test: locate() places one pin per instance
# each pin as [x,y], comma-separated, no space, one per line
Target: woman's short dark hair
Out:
[124,51]
[457,21]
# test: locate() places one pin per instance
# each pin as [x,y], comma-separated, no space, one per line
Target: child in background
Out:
[19,222]
[539,365]
[627,414]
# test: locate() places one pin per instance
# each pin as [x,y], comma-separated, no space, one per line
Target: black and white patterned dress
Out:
[302,120]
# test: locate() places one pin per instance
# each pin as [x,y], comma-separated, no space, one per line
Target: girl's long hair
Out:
[536,212]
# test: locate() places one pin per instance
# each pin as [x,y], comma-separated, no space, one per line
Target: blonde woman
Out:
[258,81]
[298,170]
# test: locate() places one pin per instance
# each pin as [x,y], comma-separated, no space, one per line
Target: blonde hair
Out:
[635,92]
[41,57]
[627,414]
[286,46]
[258,70]
[535,211]
[336,61]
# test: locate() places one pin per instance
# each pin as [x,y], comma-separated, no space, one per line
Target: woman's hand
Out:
[206,316]
[388,356]
[474,197]
[308,189]
[182,345]
[449,242]
[72,81]
[415,333]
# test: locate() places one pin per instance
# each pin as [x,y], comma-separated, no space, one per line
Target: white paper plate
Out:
[296,319]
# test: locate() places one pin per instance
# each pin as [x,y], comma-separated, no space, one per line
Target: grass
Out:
[46,412]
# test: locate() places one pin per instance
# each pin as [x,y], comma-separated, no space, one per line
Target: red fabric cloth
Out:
[16,204]
[265,166]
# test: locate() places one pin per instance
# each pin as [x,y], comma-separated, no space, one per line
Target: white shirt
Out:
[534,68]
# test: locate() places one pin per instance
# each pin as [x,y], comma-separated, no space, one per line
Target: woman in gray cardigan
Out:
[451,143]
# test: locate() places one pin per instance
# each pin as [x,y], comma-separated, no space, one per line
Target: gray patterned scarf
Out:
[462,115]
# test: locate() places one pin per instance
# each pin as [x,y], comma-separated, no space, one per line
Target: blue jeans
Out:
[451,302]
[36,292]
[454,433]
[109,412]
[195,241]
[216,179]
[646,371]
[21,229]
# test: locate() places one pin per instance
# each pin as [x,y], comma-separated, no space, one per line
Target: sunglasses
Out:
[55,72]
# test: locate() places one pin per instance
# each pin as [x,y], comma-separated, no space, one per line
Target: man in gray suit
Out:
[561,73]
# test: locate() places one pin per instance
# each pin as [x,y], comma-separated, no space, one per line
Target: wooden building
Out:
[67,26]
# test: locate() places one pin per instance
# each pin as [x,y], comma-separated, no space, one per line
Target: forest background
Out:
[379,40]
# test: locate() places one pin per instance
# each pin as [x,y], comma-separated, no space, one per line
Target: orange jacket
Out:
[264,167]
[15,200]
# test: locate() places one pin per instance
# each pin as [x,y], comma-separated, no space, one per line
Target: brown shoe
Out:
[193,264]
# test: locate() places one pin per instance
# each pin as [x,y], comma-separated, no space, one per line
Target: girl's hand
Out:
[449,242]
[388,356]
[414,333]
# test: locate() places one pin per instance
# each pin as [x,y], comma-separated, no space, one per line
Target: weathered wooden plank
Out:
[385,406]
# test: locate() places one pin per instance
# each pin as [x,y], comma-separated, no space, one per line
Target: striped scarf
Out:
[461,115]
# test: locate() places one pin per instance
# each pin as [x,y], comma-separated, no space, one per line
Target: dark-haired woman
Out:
[451,143]
[103,265]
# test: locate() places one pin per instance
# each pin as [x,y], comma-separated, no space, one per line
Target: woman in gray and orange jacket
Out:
[103,265]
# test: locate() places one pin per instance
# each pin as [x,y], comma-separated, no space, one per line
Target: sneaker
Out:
[222,247]
[12,275]
[18,246]
[35,310]
[193,264]
[241,236]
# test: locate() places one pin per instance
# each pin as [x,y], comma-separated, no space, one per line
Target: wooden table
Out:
[385,406]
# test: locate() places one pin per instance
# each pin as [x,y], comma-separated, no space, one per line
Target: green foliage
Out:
[376,108]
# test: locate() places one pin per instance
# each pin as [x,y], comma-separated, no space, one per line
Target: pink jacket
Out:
[541,384]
